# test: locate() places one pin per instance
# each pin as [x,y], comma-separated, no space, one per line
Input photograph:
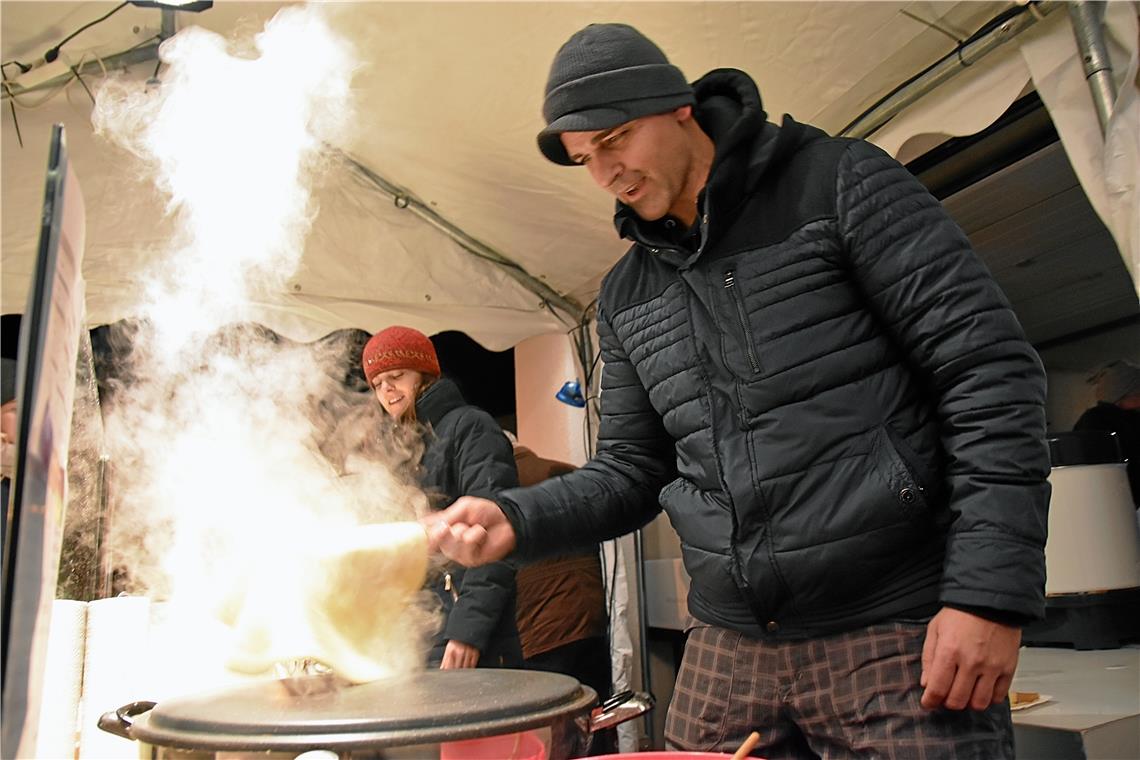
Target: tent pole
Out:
[145,52]
[1088,27]
[550,298]
[169,23]
[946,68]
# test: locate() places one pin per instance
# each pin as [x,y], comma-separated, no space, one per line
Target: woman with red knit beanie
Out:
[465,452]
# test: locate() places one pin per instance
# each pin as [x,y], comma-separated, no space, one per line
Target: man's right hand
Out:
[472,531]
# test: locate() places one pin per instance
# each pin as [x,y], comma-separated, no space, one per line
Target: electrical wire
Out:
[73,70]
[53,52]
[23,67]
[985,29]
[610,582]
[12,105]
[577,335]
[17,98]
[931,25]
[138,45]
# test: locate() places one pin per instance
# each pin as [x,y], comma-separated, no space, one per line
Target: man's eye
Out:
[614,139]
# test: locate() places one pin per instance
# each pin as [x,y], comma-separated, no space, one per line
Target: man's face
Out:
[644,163]
[7,438]
[8,421]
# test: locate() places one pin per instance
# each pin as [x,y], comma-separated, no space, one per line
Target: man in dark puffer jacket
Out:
[809,369]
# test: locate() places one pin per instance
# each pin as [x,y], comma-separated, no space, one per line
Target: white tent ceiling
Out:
[448,101]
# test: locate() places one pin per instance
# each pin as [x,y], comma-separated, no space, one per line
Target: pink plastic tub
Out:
[524,745]
[679,755]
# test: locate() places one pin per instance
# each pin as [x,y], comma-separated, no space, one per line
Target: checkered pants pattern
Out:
[850,695]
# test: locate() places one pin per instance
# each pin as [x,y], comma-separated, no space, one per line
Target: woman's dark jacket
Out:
[467,454]
[822,386]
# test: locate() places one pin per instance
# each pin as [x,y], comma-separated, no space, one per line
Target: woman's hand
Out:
[472,531]
[458,655]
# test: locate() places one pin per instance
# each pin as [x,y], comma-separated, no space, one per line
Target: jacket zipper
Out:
[730,286]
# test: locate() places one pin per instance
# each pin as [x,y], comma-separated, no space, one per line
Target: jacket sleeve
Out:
[615,492]
[485,464]
[959,334]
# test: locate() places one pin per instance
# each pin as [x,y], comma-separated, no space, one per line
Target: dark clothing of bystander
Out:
[467,453]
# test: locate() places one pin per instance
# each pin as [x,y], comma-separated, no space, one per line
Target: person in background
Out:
[7,434]
[1118,411]
[465,451]
[809,369]
[561,615]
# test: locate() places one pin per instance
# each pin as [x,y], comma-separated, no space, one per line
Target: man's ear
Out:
[684,113]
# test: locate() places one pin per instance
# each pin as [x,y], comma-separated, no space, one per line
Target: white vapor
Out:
[218,467]
[234,135]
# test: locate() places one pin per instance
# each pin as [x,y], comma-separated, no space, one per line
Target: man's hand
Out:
[471,531]
[967,660]
[458,655]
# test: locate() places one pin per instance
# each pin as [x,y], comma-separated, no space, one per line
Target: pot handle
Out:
[119,721]
[619,708]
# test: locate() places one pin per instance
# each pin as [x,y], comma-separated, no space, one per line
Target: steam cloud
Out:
[230,452]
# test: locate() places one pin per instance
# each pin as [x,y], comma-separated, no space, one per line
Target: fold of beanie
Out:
[399,347]
[603,76]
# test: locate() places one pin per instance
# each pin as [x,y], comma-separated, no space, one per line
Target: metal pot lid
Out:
[324,712]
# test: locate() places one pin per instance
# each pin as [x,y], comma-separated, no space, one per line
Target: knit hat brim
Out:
[604,117]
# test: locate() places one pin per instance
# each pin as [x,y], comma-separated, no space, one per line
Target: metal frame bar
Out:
[946,68]
[403,199]
[1087,19]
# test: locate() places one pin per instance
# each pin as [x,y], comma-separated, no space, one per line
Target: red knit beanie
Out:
[399,348]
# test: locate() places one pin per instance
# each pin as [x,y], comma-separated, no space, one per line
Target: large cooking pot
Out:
[401,717]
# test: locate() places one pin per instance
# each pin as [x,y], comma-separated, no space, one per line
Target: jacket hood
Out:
[731,113]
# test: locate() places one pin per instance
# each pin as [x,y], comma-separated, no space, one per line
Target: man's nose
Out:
[606,171]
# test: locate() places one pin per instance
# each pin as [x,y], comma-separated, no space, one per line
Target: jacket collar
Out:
[440,398]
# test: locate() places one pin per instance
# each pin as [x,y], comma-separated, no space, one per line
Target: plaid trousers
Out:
[849,695]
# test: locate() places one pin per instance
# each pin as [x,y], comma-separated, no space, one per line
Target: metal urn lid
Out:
[325,712]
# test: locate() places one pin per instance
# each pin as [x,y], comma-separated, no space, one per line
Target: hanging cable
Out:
[75,71]
[12,105]
[23,67]
[959,52]
[53,52]
[15,96]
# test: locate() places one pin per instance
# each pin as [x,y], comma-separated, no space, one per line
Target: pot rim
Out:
[577,706]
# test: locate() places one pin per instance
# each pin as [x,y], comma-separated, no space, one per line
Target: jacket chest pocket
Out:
[779,310]
[738,313]
[740,340]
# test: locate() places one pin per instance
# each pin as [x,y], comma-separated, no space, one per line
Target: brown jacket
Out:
[560,600]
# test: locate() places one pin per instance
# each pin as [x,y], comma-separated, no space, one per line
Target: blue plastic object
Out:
[571,393]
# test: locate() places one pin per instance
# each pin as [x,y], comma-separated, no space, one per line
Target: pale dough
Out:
[341,601]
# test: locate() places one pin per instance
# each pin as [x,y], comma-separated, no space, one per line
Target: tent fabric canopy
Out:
[448,100]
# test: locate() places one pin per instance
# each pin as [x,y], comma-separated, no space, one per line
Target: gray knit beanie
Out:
[606,75]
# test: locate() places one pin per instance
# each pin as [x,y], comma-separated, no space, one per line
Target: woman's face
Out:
[396,390]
